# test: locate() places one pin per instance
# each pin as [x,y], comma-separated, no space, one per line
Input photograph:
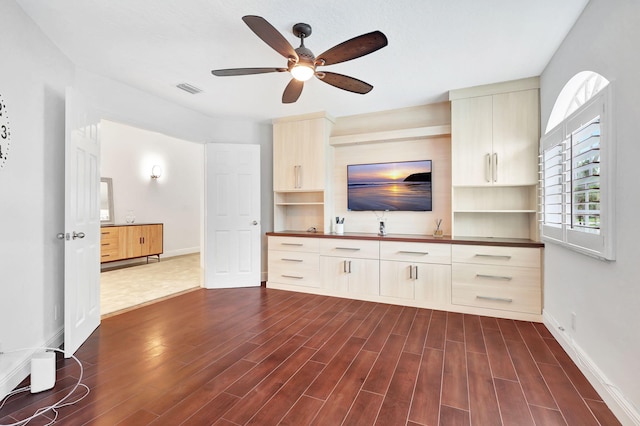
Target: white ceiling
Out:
[434,46]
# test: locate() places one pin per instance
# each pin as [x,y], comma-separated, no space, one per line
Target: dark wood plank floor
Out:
[265,357]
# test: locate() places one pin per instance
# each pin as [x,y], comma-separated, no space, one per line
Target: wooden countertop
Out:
[111,225]
[447,239]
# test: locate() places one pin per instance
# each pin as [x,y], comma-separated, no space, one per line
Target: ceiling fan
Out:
[301,61]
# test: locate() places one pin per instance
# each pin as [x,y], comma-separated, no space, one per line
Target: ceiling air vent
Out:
[189,88]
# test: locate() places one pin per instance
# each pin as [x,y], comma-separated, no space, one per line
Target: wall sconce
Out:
[156,172]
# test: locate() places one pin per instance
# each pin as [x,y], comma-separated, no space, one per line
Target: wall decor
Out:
[5,133]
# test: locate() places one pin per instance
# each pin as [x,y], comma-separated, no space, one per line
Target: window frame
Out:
[600,244]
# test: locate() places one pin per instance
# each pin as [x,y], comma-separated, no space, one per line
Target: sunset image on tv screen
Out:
[399,186]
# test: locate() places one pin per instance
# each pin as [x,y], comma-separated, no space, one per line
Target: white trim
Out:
[496,88]
[21,362]
[617,402]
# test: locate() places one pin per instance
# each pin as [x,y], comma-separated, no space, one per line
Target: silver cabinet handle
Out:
[495,166]
[297,171]
[495,299]
[487,168]
[413,275]
[494,277]
[349,266]
[291,260]
[292,244]
[421,253]
[292,276]
[348,248]
[493,256]
[344,266]
[77,235]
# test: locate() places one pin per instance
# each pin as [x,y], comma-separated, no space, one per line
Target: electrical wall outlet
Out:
[55,312]
[573,321]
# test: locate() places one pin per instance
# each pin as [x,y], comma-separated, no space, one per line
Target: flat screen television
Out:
[398,186]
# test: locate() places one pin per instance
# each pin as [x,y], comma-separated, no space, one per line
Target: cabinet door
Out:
[298,155]
[357,277]
[364,277]
[133,241]
[151,240]
[311,156]
[516,127]
[422,282]
[471,140]
[334,274]
[396,279]
[285,156]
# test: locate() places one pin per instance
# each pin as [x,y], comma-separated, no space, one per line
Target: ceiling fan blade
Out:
[245,71]
[292,91]
[354,48]
[270,35]
[345,82]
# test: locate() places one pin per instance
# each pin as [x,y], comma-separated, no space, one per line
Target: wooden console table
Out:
[121,242]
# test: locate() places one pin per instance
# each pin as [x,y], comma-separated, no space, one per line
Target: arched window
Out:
[580,89]
[576,160]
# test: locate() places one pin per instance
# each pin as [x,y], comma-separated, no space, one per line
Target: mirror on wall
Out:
[106,201]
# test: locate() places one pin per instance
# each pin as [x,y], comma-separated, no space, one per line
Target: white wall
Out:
[33,77]
[605,297]
[117,102]
[127,155]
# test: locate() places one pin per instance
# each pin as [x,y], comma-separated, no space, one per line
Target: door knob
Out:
[78,235]
[60,236]
[255,222]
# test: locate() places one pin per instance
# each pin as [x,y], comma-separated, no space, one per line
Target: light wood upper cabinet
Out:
[299,155]
[495,139]
[471,140]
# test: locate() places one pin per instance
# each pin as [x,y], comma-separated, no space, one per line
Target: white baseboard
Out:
[180,252]
[617,402]
[19,364]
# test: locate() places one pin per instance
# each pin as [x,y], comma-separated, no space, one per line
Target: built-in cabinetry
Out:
[416,272]
[294,261]
[494,160]
[499,278]
[350,267]
[130,241]
[455,275]
[301,172]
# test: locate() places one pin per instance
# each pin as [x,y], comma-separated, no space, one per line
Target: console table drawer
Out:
[359,249]
[415,252]
[494,255]
[310,245]
[497,287]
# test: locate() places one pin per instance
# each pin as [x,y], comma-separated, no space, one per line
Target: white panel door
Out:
[232,216]
[82,224]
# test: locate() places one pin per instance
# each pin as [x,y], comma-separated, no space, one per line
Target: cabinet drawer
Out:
[358,249]
[309,245]
[497,287]
[109,255]
[297,268]
[109,234]
[492,255]
[415,252]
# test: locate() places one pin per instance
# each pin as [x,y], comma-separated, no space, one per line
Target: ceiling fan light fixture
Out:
[302,72]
